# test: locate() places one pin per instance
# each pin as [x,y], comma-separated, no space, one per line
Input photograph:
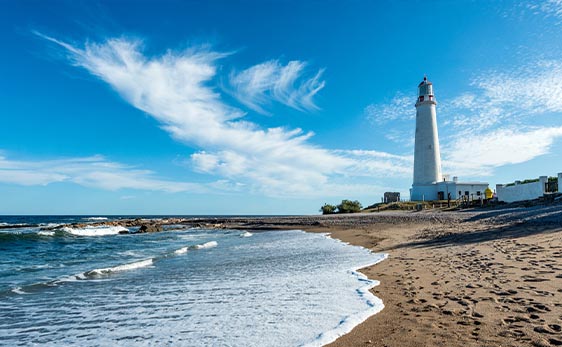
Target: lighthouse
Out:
[427,157]
[429,182]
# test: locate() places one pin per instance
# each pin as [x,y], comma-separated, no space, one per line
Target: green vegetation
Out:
[328,209]
[524,182]
[346,206]
[403,205]
[532,180]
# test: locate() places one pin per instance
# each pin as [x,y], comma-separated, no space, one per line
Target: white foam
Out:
[375,305]
[209,244]
[181,250]
[95,231]
[124,267]
[46,233]
[246,234]
[50,225]
[95,218]
[18,290]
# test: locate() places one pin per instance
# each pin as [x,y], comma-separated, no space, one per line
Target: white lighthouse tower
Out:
[427,157]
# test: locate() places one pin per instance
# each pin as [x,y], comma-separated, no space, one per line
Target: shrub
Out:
[348,206]
[328,209]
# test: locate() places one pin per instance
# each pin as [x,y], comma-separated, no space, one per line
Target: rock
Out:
[150,228]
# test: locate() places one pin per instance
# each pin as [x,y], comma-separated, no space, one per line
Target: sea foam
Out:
[205,245]
[209,244]
[46,233]
[119,268]
[374,304]
[95,231]
[95,218]
[181,250]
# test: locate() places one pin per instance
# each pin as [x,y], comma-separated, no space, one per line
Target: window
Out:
[460,193]
[421,98]
[478,193]
[466,192]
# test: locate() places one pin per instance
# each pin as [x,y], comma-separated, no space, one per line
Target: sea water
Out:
[182,287]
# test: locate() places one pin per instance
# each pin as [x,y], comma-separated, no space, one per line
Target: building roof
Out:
[464,183]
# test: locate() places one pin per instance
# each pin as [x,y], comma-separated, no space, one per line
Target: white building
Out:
[519,191]
[429,183]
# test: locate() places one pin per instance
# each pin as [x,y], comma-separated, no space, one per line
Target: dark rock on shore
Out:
[150,228]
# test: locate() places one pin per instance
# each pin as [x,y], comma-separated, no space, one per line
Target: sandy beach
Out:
[462,278]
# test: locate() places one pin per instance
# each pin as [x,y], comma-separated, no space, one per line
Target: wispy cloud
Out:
[176,89]
[400,107]
[271,81]
[548,7]
[95,171]
[513,97]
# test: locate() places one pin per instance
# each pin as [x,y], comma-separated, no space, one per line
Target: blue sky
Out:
[266,107]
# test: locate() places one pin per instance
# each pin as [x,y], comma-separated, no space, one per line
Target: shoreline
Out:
[488,277]
[444,283]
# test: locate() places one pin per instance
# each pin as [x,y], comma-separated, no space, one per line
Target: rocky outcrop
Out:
[150,228]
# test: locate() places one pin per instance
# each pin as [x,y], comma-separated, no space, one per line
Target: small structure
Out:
[529,189]
[391,197]
[429,183]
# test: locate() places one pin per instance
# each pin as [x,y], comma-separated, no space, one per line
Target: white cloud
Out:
[479,154]
[93,171]
[499,122]
[400,107]
[260,84]
[176,89]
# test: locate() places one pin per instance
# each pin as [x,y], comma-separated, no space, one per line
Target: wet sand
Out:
[474,279]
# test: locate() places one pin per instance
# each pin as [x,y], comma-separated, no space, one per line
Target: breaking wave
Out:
[119,268]
[209,244]
[46,233]
[95,231]
[95,218]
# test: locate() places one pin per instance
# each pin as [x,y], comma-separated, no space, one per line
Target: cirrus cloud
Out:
[177,89]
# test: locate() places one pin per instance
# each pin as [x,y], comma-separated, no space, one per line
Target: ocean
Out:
[181,287]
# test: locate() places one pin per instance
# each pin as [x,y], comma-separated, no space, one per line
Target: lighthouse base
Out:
[444,190]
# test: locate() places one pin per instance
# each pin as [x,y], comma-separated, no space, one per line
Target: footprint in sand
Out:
[527,278]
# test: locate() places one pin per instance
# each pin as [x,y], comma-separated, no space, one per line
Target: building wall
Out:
[431,191]
[423,192]
[391,197]
[454,188]
[473,190]
[520,192]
